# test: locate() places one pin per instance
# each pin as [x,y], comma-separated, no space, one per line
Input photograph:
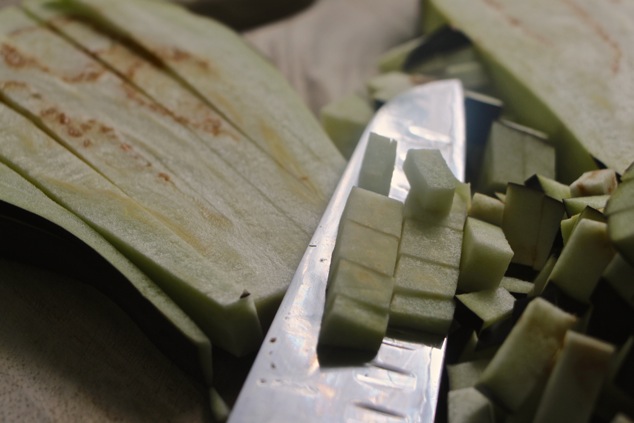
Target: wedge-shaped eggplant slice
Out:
[208,294]
[581,99]
[67,242]
[136,144]
[218,138]
[216,63]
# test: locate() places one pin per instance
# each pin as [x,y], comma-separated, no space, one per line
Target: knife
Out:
[289,381]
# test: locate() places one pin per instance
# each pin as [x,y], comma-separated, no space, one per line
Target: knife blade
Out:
[289,381]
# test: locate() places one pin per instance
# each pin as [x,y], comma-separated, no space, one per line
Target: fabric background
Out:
[332,47]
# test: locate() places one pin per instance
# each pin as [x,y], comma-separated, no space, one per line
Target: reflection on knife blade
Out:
[288,381]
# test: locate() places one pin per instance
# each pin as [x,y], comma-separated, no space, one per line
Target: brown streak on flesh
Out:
[514,21]
[16,59]
[63,119]
[600,31]
[54,115]
[208,122]
[79,128]
[278,151]
[141,100]
[8,85]
[132,69]
[209,125]
[86,76]
[105,129]
[73,131]
[177,55]
[88,125]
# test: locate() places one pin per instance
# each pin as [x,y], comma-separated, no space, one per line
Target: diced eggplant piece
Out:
[351,324]
[465,374]
[468,405]
[420,277]
[365,246]
[375,211]
[486,208]
[378,164]
[344,120]
[481,309]
[569,224]
[513,153]
[526,354]
[485,256]
[361,283]
[434,243]
[594,182]
[454,219]
[575,205]
[425,314]
[583,260]
[622,198]
[621,233]
[431,181]
[531,222]
[518,288]
[549,186]
[576,380]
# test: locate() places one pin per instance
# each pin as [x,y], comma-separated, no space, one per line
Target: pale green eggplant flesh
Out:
[561,67]
[206,293]
[70,244]
[207,56]
[140,148]
[290,195]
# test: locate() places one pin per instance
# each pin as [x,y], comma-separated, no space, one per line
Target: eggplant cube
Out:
[366,246]
[524,358]
[583,260]
[621,232]
[485,256]
[432,182]
[344,120]
[432,242]
[426,314]
[531,222]
[420,277]
[349,323]
[375,211]
[362,284]
[582,358]
[378,164]
[484,308]
[470,405]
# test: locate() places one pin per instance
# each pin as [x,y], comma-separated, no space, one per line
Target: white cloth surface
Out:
[332,48]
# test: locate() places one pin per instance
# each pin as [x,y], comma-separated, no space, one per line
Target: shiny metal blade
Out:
[289,382]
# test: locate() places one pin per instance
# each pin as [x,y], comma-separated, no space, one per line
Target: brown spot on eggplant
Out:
[73,131]
[514,21]
[13,58]
[175,54]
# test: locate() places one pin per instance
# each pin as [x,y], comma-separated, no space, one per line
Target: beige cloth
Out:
[332,47]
